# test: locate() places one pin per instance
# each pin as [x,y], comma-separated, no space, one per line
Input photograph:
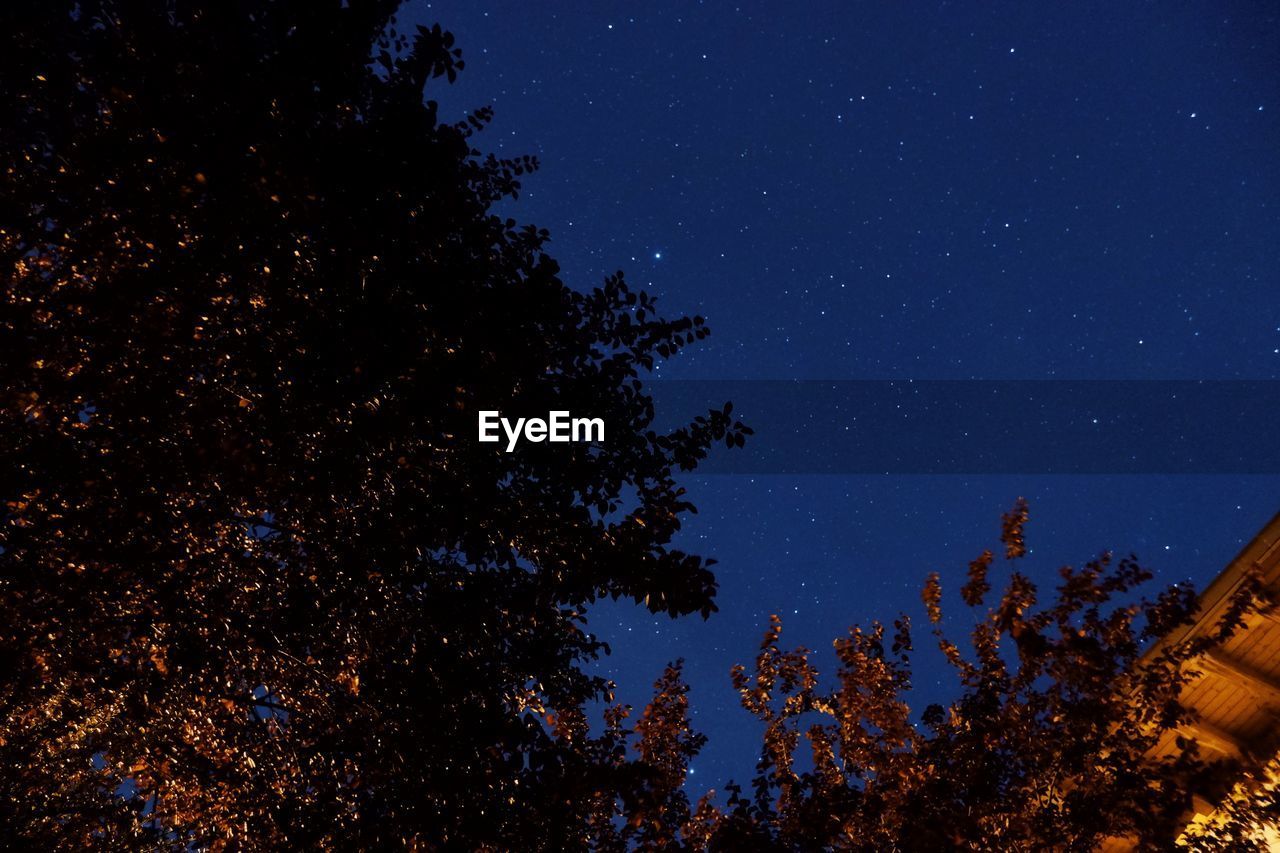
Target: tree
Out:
[259,586]
[1048,746]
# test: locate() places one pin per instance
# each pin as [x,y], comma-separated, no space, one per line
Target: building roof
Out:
[1237,692]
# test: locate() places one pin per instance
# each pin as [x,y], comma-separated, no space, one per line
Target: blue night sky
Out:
[903,190]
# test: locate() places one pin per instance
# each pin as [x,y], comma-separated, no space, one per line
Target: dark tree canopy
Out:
[259,585]
[260,588]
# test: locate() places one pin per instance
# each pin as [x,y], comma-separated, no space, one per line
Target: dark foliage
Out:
[260,589]
[259,585]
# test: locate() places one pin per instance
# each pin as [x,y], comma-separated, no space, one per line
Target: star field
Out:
[934,191]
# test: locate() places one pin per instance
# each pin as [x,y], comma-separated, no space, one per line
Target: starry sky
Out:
[869,190]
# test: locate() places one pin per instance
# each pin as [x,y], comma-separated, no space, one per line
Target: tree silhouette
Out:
[259,585]
[1048,747]
[260,588]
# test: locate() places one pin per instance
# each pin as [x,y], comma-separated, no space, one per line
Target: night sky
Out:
[892,191]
